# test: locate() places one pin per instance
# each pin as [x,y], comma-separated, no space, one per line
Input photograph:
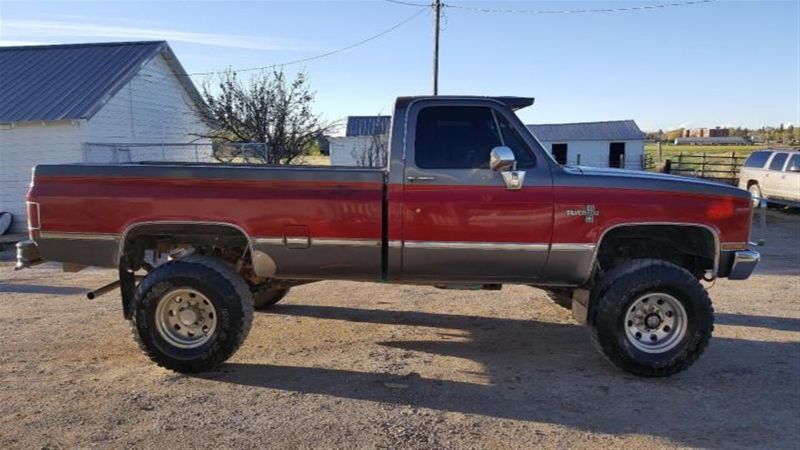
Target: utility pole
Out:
[437,9]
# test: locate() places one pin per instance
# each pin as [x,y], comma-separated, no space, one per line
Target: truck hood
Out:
[634,179]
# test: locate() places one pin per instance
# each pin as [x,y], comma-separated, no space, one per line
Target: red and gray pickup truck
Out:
[469,200]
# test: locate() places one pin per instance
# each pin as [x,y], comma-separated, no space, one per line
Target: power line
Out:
[398,2]
[323,55]
[575,11]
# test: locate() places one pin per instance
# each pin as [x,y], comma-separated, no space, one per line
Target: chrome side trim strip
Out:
[356,242]
[347,242]
[454,245]
[78,236]
[268,241]
[572,247]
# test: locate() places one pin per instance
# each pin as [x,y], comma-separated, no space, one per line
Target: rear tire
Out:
[651,318]
[192,314]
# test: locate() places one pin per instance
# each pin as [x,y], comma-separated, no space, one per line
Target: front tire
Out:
[192,314]
[755,194]
[651,318]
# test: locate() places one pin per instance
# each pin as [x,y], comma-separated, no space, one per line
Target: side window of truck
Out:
[512,139]
[757,160]
[777,161]
[455,137]
[794,161]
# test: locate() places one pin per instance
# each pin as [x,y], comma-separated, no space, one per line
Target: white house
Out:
[106,102]
[617,143]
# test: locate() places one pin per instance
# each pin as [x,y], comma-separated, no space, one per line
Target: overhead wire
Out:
[322,55]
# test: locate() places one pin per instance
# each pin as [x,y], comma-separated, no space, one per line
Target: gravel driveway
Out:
[344,365]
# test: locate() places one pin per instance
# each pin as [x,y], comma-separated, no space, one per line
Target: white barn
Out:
[106,102]
[359,135]
[617,143]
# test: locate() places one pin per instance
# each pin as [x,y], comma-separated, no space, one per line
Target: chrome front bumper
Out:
[744,262]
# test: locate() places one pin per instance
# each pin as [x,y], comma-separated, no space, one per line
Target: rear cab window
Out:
[757,160]
[777,161]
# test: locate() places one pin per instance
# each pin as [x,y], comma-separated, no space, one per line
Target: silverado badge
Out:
[589,213]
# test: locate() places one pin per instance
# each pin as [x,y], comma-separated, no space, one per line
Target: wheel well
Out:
[691,247]
[226,242]
[751,182]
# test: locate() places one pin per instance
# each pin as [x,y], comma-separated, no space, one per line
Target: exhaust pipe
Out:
[91,295]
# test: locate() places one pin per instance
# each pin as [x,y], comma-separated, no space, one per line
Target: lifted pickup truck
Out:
[469,199]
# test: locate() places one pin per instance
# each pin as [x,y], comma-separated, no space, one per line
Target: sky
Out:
[721,63]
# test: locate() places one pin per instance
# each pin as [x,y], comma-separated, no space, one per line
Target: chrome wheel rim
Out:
[185,318]
[655,322]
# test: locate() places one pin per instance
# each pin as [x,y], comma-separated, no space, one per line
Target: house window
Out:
[616,155]
[559,152]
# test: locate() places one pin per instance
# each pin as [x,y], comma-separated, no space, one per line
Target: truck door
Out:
[460,219]
[771,186]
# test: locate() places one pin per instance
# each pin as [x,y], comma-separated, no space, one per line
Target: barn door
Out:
[616,155]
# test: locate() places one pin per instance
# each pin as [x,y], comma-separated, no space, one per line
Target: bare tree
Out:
[267,108]
[375,152]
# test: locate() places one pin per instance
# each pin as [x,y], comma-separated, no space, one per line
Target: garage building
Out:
[618,143]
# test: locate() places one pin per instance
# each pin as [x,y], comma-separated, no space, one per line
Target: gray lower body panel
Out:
[569,264]
[472,261]
[345,259]
[98,250]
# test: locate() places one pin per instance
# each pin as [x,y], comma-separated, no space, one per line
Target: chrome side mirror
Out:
[502,158]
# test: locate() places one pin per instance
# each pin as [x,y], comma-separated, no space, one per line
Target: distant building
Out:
[706,132]
[92,103]
[360,132]
[730,140]
[618,143]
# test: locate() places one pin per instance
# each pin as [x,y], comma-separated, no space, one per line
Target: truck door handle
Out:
[413,179]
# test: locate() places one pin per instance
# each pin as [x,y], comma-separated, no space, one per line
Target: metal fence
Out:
[205,152]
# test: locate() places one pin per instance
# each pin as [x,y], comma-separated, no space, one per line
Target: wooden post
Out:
[680,161]
[578,161]
[622,161]
[660,152]
[734,174]
[703,165]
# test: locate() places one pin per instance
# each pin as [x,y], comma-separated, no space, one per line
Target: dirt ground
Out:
[343,365]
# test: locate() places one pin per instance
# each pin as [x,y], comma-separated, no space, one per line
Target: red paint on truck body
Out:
[261,208]
[354,210]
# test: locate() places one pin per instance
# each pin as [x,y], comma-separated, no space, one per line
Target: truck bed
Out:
[277,207]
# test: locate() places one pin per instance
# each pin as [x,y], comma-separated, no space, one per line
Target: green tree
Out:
[267,108]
